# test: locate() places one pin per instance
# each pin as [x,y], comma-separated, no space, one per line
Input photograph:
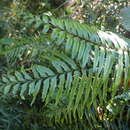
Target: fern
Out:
[106,50]
[85,73]
[23,49]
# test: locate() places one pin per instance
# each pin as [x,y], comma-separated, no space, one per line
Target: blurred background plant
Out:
[17,16]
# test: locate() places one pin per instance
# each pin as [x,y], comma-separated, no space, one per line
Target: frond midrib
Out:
[43,78]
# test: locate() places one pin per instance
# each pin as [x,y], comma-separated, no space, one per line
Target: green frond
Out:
[21,49]
[85,32]
[103,52]
[30,84]
[59,83]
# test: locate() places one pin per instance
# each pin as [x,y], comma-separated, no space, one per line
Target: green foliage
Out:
[75,79]
[61,74]
[119,107]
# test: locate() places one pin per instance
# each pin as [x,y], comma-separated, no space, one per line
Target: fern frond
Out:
[23,49]
[59,83]
[102,51]
[41,76]
[85,32]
